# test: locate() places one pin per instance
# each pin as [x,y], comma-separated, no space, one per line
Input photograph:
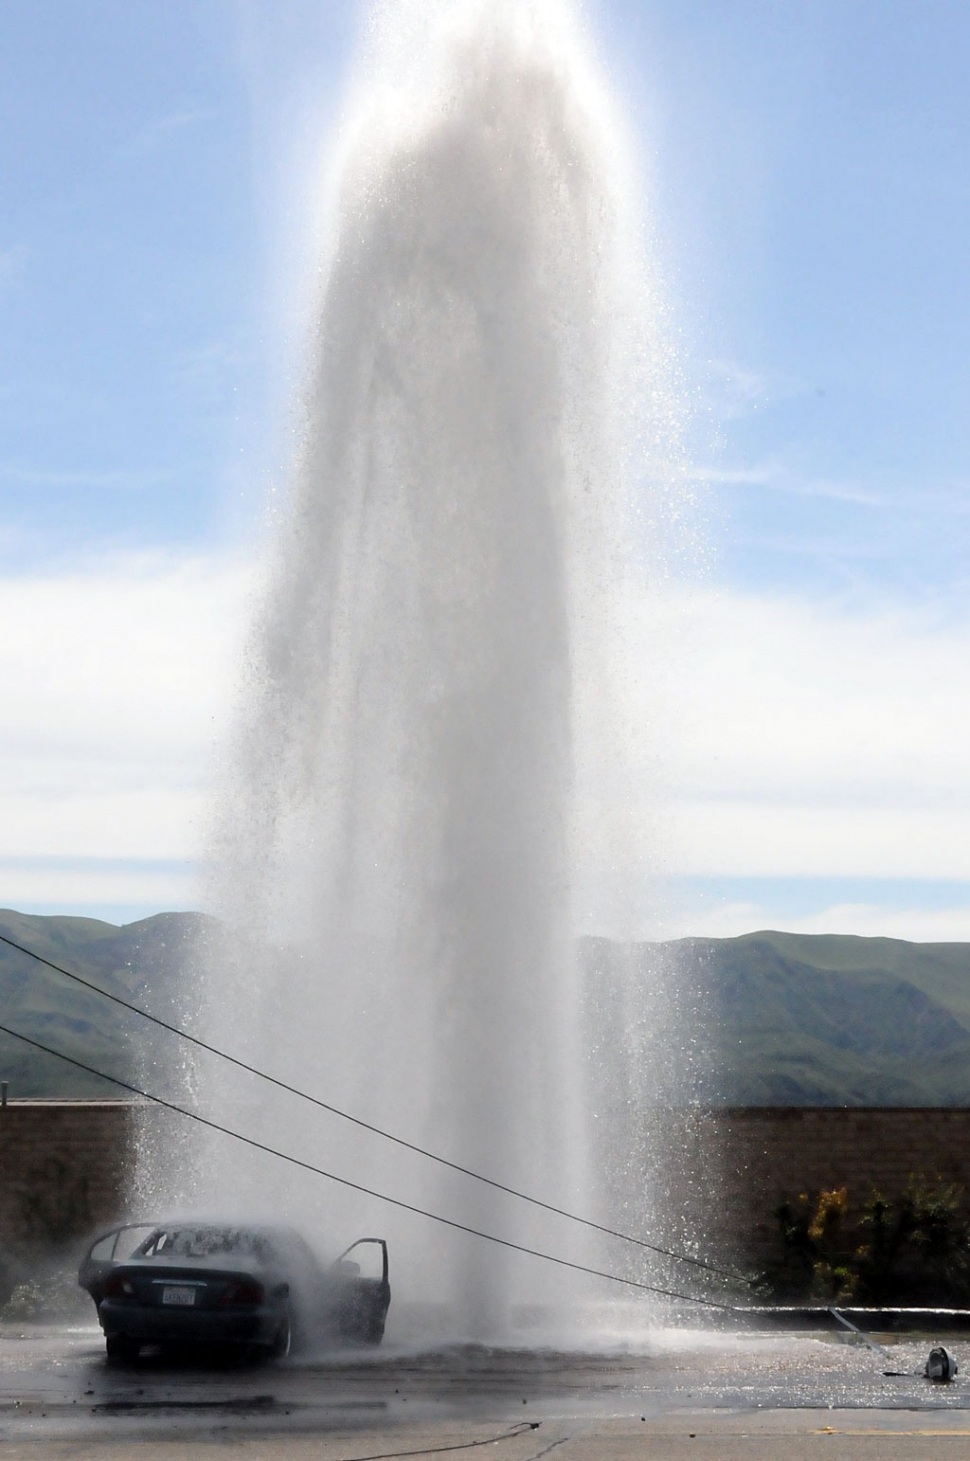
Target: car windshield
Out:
[207,1243]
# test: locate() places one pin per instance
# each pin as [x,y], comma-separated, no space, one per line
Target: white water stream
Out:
[428,699]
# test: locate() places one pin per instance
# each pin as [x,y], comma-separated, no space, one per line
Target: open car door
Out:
[356,1303]
[111,1248]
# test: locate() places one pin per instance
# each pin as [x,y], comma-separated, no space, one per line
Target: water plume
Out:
[426,708]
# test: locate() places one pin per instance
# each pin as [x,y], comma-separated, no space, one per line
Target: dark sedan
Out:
[258,1288]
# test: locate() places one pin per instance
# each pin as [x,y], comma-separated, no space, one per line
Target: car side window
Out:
[104,1248]
[365,1259]
[131,1241]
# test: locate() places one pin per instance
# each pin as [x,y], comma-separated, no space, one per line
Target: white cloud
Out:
[771,737]
[117,685]
[69,888]
[781,478]
[115,480]
[867,920]
[135,809]
[733,390]
[786,738]
[742,838]
[158,131]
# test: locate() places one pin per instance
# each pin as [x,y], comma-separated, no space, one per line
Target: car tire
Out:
[282,1341]
[121,1349]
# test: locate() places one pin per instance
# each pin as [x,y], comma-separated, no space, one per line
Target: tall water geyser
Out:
[398,843]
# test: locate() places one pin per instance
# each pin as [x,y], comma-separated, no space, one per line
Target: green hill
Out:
[829,1020]
[779,1018]
[799,1019]
[145,962]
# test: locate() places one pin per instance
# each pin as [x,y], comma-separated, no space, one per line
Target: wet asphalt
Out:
[673,1393]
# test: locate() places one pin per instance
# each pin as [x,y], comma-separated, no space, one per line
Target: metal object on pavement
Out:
[941,1366]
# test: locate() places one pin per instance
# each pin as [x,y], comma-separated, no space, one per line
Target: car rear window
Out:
[207,1243]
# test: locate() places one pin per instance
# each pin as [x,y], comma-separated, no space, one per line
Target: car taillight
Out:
[242,1291]
[118,1287]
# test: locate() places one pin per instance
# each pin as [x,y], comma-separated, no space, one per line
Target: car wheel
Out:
[283,1340]
[121,1349]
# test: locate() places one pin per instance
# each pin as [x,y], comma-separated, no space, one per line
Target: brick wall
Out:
[758,1156]
[64,1169]
[65,1165]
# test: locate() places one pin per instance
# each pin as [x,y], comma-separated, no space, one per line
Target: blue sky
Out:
[810,203]
[815,202]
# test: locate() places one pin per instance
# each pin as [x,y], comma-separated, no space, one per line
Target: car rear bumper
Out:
[159,1325]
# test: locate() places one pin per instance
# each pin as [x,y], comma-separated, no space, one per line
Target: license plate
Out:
[179,1294]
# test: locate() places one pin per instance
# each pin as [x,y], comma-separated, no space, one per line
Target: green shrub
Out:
[913,1249]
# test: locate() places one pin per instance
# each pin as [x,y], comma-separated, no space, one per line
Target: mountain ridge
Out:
[782,1018]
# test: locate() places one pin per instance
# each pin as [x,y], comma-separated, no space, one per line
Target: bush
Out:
[913,1249]
[43,1293]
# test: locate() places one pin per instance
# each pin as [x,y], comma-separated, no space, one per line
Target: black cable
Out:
[519,1430]
[366,1125]
[369,1191]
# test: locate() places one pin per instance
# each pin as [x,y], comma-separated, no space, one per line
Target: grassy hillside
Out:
[783,1019]
[797,1019]
[144,962]
[941,971]
[828,1020]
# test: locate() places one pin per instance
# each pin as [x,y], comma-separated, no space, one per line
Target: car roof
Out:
[223,1225]
[285,1238]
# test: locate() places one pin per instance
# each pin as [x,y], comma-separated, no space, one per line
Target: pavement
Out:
[672,1393]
